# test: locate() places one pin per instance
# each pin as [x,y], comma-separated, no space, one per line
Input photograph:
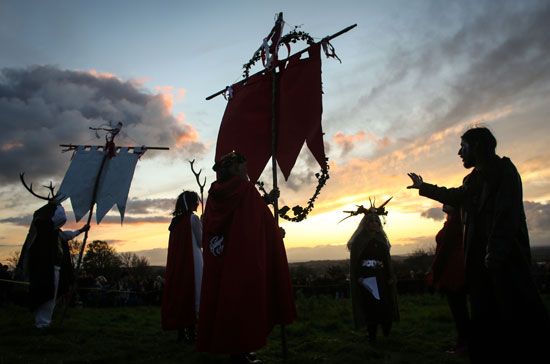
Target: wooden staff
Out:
[201,186]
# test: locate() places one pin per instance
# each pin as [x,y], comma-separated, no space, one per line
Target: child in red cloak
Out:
[246,281]
[183,276]
[447,275]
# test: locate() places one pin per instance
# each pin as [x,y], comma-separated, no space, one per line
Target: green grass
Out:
[323,334]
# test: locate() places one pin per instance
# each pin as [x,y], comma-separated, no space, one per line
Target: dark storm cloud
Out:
[43,106]
[434,213]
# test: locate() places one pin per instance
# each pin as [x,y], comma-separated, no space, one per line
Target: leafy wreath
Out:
[300,213]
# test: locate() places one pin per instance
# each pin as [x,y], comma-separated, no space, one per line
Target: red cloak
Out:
[246,290]
[448,265]
[178,296]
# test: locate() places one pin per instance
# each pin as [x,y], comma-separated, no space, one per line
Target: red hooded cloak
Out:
[246,289]
[178,297]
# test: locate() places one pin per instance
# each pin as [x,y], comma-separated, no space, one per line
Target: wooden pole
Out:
[72,146]
[94,197]
[328,38]
[274,116]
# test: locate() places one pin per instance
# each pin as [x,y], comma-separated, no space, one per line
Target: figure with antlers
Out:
[246,283]
[45,258]
[372,280]
[183,276]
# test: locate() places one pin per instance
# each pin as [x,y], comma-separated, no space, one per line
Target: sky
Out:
[414,76]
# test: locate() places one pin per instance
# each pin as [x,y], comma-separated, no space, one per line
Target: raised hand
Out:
[417,180]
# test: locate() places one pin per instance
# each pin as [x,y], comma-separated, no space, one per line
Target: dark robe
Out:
[178,296]
[42,250]
[368,245]
[509,319]
[246,287]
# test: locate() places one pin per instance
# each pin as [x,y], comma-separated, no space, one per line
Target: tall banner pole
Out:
[92,204]
[274,98]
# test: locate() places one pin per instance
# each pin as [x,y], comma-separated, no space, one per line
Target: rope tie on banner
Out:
[329,50]
[228,93]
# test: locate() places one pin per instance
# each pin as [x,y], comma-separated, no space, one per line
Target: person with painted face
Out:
[509,322]
[45,260]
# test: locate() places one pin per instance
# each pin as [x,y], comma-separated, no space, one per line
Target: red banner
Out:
[246,123]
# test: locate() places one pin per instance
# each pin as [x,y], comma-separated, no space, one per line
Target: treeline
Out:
[109,278]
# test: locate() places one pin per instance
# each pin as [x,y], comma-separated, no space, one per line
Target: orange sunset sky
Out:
[414,76]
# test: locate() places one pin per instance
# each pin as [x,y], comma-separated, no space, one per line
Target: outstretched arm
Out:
[450,196]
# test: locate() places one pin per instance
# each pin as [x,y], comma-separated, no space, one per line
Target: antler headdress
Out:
[380,210]
[51,195]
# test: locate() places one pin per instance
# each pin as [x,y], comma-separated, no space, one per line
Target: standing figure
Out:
[447,275]
[509,322]
[45,260]
[372,280]
[183,276]
[246,281]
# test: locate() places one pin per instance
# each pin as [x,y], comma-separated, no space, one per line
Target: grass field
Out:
[322,334]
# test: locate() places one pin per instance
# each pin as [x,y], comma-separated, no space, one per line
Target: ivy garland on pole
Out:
[293,36]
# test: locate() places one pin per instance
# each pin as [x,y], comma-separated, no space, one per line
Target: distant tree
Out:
[301,274]
[12,260]
[101,259]
[336,273]
[135,265]
[419,261]
[74,249]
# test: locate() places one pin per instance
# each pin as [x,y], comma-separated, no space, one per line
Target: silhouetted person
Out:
[45,260]
[509,320]
[246,287]
[447,275]
[372,280]
[183,276]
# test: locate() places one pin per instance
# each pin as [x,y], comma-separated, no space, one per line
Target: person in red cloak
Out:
[246,281]
[447,275]
[183,276]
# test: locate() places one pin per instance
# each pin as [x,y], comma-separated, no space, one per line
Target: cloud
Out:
[146,206]
[347,142]
[474,64]
[538,222]
[17,220]
[109,219]
[44,106]
[434,213]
